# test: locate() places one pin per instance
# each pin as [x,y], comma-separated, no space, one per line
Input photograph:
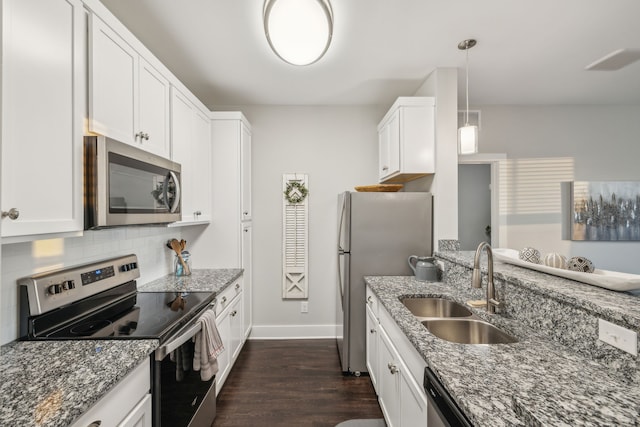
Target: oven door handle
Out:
[162,351]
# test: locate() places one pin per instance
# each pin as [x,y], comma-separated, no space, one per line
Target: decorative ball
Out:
[530,255]
[581,264]
[555,260]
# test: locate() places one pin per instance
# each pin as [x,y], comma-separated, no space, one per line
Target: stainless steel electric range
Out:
[100,301]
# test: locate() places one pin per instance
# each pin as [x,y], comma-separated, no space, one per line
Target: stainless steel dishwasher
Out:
[442,411]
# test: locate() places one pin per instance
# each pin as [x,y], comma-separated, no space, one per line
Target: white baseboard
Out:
[292,332]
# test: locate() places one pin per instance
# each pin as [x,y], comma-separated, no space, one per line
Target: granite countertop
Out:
[620,306]
[534,382]
[51,383]
[209,280]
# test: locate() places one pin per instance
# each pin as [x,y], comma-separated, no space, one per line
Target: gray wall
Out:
[549,144]
[338,148]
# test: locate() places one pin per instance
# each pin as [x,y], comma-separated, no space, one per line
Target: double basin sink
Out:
[454,322]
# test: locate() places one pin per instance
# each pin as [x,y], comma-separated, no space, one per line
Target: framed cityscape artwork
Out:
[603,210]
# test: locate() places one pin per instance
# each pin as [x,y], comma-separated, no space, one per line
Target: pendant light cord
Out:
[466,120]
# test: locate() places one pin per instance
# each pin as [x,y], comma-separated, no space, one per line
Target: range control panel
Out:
[54,289]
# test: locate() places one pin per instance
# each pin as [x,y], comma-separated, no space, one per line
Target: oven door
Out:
[180,397]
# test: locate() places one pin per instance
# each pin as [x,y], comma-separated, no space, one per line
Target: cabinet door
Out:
[140,416]
[389,381]
[413,402]
[247,259]
[389,147]
[372,348]
[201,166]
[42,116]
[237,332]
[153,123]
[182,113]
[223,322]
[113,71]
[245,178]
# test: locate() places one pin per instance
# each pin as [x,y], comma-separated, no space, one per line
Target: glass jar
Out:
[179,268]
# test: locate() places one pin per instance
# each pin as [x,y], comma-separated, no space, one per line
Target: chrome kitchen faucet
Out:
[476,278]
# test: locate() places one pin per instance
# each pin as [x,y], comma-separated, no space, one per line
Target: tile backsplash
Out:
[24,259]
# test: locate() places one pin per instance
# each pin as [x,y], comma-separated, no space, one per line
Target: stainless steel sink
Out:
[435,307]
[467,331]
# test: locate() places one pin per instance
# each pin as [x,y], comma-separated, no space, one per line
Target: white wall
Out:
[549,144]
[442,84]
[24,259]
[338,148]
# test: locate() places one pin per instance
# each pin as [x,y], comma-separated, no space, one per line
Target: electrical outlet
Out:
[617,336]
[304,307]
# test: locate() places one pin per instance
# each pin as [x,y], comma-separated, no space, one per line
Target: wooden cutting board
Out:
[380,187]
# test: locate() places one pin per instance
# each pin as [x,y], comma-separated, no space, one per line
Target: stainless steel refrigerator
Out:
[377,232]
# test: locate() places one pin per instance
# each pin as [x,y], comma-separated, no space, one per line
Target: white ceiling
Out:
[528,52]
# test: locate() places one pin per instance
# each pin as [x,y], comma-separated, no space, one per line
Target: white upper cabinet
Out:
[43,81]
[406,140]
[128,98]
[191,147]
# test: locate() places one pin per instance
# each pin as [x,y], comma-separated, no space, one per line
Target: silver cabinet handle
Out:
[233,313]
[197,213]
[392,368]
[237,286]
[224,299]
[13,214]
[142,135]
[385,168]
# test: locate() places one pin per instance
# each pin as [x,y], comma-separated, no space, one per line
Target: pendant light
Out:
[467,134]
[298,31]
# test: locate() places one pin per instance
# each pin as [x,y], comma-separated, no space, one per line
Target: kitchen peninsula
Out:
[557,374]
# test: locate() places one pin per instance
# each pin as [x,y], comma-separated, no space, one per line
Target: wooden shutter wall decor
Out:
[295,237]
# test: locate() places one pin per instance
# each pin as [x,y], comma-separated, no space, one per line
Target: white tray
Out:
[602,278]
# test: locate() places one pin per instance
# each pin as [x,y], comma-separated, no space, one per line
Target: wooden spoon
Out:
[175,245]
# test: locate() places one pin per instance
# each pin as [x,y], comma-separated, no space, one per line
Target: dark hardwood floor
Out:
[292,383]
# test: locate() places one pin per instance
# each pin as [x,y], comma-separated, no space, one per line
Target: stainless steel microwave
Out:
[127,186]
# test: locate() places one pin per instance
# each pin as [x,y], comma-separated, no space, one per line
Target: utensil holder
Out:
[178,267]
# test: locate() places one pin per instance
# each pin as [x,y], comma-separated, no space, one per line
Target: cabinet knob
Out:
[146,136]
[392,368]
[237,286]
[369,300]
[224,299]
[372,331]
[197,213]
[385,168]
[245,213]
[13,213]
[233,313]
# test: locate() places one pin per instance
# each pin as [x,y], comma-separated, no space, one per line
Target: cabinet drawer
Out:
[225,297]
[372,302]
[121,400]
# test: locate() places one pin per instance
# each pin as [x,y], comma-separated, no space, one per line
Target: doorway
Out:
[469,207]
[474,205]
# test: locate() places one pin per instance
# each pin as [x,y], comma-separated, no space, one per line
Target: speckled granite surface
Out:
[558,374]
[212,280]
[51,383]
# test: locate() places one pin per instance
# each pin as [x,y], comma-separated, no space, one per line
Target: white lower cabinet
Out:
[372,347]
[229,320]
[396,369]
[128,404]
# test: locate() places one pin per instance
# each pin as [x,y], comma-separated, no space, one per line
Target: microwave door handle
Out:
[176,201]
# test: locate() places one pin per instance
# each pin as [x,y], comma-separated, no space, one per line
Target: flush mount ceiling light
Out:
[298,31]
[467,135]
